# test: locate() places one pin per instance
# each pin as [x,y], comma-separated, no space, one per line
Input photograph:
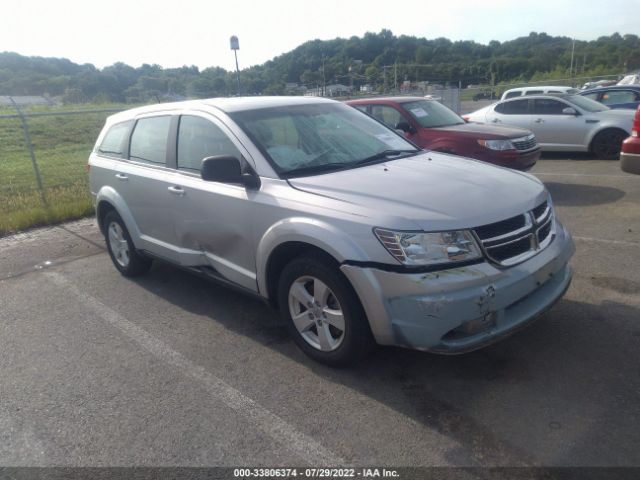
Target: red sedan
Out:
[630,154]
[433,126]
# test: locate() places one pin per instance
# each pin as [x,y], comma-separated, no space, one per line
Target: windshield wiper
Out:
[309,169]
[385,154]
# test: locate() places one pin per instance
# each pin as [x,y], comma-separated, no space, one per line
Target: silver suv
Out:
[353,233]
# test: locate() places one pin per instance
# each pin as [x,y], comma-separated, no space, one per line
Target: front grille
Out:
[501,228]
[517,238]
[540,210]
[544,232]
[525,143]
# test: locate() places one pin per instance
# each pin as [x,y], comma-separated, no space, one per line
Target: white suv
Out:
[537,90]
[356,235]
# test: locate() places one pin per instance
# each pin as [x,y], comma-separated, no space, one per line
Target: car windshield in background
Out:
[307,139]
[587,104]
[431,114]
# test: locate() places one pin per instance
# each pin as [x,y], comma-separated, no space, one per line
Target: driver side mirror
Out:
[227,169]
[405,127]
[569,111]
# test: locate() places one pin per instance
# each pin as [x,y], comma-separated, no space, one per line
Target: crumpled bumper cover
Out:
[462,309]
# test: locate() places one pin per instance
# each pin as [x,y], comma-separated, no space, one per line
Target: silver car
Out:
[353,233]
[563,122]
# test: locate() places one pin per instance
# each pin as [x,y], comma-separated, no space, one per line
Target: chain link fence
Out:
[43,153]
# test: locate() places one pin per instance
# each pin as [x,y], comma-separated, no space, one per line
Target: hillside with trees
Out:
[376,59]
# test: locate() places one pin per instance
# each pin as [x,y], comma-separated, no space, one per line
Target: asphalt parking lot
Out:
[168,369]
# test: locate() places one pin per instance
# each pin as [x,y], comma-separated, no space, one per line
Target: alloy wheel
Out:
[316,313]
[119,245]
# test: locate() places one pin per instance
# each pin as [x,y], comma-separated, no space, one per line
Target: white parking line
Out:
[308,449]
[584,175]
[605,240]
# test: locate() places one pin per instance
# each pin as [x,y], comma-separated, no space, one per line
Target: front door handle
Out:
[495,120]
[539,120]
[176,191]
[122,176]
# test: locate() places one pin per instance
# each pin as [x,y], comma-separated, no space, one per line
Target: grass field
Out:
[62,145]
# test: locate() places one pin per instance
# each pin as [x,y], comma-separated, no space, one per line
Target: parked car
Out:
[631,79]
[537,90]
[433,126]
[599,83]
[356,235]
[630,154]
[618,96]
[484,94]
[563,122]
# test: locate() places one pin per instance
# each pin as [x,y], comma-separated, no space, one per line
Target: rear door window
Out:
[515,107]
[149,140]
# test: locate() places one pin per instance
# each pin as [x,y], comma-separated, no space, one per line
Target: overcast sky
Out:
[196,32]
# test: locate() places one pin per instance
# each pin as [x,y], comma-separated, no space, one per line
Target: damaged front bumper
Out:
[462,309]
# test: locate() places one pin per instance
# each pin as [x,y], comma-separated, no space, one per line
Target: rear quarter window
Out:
[113,143]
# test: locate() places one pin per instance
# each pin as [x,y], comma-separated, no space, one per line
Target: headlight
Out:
[497,144]
[418,248]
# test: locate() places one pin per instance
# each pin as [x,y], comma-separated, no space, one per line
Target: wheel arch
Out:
[107,200]
[293,237]
[604,128]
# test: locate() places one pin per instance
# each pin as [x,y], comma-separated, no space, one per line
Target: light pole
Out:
[235,46]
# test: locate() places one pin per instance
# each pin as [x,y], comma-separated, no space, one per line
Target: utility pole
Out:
[235,46]
[573,47]
[324,82]
[395,76]
[384,74]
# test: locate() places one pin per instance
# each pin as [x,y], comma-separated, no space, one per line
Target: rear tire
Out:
[123,253]
[607,144]
[322,312]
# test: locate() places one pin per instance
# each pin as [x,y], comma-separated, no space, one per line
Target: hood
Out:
[433,190]
[478,115]
[481,130]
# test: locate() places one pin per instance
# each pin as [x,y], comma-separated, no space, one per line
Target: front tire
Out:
[607,144]
[123,253]
[323,312]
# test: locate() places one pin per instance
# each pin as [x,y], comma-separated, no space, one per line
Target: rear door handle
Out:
[495,120]
[539,120]
[122,176]
[176,191]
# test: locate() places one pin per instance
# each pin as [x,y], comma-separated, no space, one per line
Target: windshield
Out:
[306,139]
[587,104]
[431,114]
